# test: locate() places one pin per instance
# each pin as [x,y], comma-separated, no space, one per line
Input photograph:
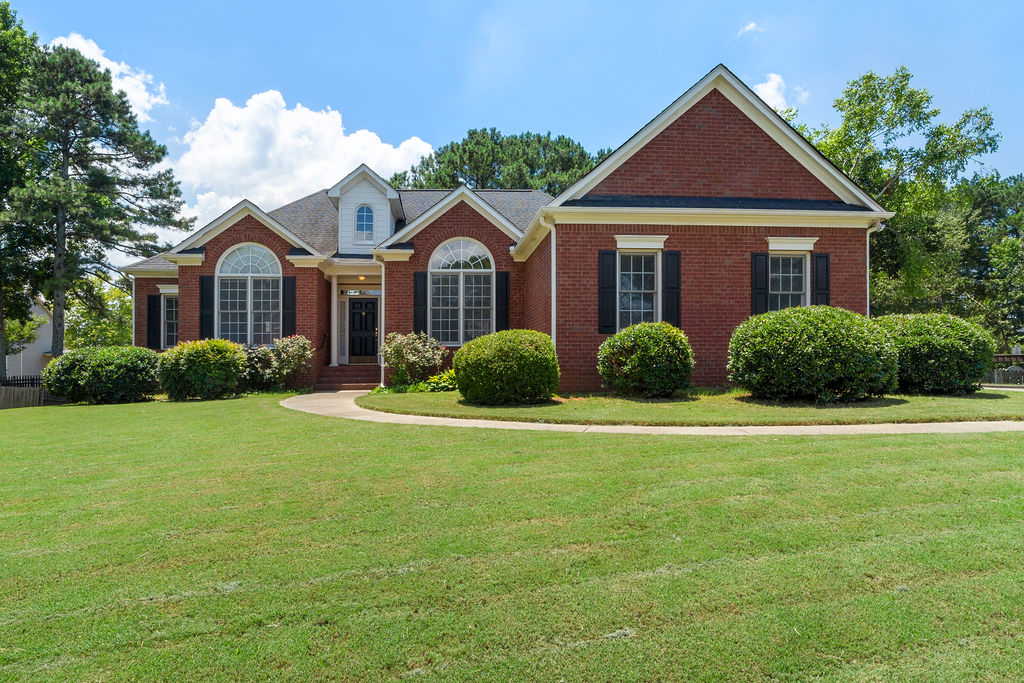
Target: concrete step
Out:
[345,386]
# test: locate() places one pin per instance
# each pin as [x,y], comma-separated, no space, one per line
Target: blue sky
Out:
[423,73]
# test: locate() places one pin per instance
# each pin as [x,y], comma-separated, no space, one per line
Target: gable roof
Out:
[363,171]
[736,91]
[229,217]
[463,194]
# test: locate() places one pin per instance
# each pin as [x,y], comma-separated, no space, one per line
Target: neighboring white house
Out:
[36,355]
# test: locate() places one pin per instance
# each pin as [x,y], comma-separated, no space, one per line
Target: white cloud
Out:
[143,93]
[773,91]
[272,154]
[752,26]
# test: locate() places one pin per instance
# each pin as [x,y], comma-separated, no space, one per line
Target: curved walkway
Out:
[343,404]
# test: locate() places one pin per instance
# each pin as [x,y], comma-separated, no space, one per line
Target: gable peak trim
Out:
[230,217]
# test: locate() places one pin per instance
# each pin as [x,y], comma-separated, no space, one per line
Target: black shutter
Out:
[153,321]
[419,302]
[670,287]
[820,275]
[501,305]
[205,306]
[758,283]
[287,306]
[606,291]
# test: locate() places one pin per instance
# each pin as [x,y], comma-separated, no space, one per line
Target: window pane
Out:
[170,321]
[266,310]
[250,259]
[786,283]
[364,223]
[444,307]
[234,307]
[476,297]
[637,288]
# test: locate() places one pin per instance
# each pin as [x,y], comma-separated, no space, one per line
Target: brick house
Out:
[715,210]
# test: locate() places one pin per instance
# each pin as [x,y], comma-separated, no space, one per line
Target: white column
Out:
[380,321]
[334,320]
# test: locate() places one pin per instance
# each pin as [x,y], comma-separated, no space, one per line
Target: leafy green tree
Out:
[99,181]
[487,159]
[892,142]
[99,314]
[18,268]
[20,333]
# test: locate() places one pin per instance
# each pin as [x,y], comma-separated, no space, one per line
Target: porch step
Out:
[345,386]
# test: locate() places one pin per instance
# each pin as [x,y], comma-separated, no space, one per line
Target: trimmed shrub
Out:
[507,368]
[646,359]
[939,353]
[412,357]
[443,382]
[293,359]
[103,374]
[206,369]
[818,353]
[261,369]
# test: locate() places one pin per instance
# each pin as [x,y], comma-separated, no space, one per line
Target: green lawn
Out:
[238,539]
[708,407]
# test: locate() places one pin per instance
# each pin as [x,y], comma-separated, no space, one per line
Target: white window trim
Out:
[640,242]
[492,271]
[657,281]
[807,272]
[248,291]
[801,244]
[163,316]
[356,239]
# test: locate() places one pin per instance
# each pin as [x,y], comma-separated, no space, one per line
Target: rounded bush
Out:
[103,374]
[261,370]
[507,368]
[646,359]
[939,353]
[817,353]
[210,368]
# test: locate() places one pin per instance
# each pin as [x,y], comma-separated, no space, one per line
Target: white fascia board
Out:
[305,260]
[148,272]
[168,290]
[791,243]
[230,217]
[640,241]
[698,216]
[754,107]
[185,259]
[392,254]
[463,194]
[363,171]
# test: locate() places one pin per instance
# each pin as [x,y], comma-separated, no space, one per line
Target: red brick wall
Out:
[715,287]
[713,150]
[537,288]
[312,291]
[461,220]
[144,287]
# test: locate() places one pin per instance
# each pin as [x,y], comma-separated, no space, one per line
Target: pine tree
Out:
[99,183]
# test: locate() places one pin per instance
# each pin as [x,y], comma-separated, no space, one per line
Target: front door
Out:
[362,325]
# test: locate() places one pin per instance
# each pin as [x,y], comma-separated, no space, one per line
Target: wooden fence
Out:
[20,397]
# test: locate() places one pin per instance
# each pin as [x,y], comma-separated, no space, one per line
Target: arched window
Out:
[364,224]
[461,292]
[249,295]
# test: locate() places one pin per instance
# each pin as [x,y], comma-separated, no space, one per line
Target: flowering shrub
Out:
[261,371]
[293,359]
[412,357]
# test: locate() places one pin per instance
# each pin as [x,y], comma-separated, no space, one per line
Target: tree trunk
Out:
[3,339]
[59,291]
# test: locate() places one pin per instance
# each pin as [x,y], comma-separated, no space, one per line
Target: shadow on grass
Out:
[886,402]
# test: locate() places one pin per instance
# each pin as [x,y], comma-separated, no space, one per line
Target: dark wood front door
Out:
[362,325]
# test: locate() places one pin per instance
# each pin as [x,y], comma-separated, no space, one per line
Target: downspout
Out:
[877,227]
[548,223]
[133,310]
[380,324]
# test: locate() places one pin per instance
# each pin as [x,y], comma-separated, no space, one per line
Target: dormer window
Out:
[364,224]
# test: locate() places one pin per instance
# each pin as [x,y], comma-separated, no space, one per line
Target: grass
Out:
[710,407]
[237,540]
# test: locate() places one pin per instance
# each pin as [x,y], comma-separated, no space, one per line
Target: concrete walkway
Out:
[342,404]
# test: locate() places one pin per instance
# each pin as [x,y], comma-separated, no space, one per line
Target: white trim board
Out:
[766,118]
[791,243]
